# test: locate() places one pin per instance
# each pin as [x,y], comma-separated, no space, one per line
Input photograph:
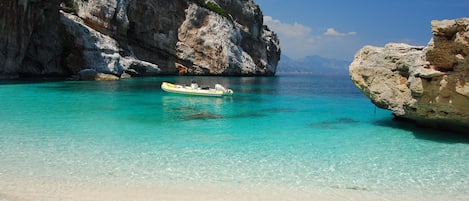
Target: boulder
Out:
[92,74]
[88,74]
[428,85]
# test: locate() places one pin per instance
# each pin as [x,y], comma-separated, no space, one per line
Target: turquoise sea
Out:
[301,131]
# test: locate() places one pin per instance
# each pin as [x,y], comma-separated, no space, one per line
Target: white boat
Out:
[194,89]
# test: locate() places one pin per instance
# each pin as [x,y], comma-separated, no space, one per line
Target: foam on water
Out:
[298,131]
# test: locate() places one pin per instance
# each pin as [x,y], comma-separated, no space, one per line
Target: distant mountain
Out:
[313,65]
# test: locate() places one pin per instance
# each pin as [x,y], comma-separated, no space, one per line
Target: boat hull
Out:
[179,89]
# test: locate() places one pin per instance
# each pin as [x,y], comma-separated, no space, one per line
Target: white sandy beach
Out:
[43,190]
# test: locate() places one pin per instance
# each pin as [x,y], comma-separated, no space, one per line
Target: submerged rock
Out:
[334,124]
[202,116]
[138,37]
[429,85]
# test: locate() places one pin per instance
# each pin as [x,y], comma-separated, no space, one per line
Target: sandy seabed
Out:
[47,190]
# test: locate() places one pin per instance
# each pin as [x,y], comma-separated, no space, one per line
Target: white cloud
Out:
[288,30]
[333,32]
[298,40]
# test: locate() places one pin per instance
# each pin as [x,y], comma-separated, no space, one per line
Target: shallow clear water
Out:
[299,131]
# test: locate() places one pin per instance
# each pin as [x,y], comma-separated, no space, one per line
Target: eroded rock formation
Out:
[135,37]
[29,38]
[429,85]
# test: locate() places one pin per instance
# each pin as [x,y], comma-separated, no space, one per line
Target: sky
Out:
[337,29]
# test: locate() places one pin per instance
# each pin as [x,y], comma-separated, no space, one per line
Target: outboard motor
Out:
[194,85]
[219,87]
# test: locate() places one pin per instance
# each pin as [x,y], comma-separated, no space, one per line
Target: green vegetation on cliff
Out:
[70,5]
[217,9]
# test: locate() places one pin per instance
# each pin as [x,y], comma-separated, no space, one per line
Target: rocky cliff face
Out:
[136,37]
[29,38]
[429,85]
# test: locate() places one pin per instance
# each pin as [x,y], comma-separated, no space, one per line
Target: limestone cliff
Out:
[429,85]
[136,37]
[29,38]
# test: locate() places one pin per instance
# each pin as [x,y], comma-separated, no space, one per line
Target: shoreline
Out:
[54,190]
